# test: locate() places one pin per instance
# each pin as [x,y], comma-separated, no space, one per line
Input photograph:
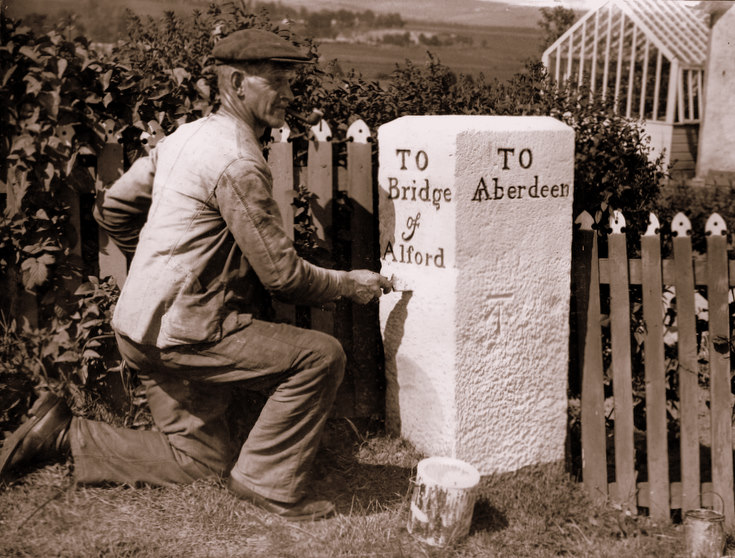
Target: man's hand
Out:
[365,285]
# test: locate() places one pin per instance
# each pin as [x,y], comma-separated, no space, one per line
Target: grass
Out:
[537,513]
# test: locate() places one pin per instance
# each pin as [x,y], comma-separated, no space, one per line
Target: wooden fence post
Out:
[719,360]
[621,364]
[589,345]
[112,261]
[655,373]
[280,161]
[320,181]
[69,194]
[365,333]
[688,366]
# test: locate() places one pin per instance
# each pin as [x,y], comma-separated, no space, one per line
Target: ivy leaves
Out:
[37,151]
[35,270]
[61,101]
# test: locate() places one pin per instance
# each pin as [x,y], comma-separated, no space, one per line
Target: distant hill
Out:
[454,12]
[458,12]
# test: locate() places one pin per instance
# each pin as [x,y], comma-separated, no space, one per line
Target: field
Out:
[497,52]
[510,13]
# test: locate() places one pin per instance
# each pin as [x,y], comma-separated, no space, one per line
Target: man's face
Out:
[268,94]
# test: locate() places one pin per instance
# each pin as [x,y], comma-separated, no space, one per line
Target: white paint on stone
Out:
[476,219]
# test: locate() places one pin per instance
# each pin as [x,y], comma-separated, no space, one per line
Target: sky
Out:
[574,4]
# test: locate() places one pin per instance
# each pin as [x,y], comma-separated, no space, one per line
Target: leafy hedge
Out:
[62,100]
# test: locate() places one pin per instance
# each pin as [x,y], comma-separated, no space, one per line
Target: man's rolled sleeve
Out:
[243,194]
[122,209]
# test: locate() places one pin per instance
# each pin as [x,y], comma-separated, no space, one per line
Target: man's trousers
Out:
[189,390]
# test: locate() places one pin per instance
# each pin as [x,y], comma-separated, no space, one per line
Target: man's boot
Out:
[304,510]
[43,436]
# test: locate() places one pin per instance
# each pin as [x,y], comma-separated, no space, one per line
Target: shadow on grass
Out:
[362,473]
[487,518]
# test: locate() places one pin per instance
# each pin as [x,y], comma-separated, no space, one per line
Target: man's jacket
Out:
[212,243]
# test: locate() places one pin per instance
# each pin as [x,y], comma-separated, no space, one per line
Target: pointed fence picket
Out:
[320,182]
[367,342]
[616,477]
[687,354]
[280,161]
[586,280]
[719,360]
[621,364]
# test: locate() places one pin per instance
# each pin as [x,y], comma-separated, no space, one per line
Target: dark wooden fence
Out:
[694,469]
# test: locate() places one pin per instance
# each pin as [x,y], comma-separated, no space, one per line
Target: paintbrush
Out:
[400,285]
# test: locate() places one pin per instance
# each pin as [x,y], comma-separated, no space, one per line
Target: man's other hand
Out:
[365,285]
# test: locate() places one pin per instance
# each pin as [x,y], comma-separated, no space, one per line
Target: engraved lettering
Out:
[498,189]
[422,160]
[505,151]
[403,153]
[393,191]
[480,191]
[530,158]
[516,191]
[411,192]
[412,223]
[533,190]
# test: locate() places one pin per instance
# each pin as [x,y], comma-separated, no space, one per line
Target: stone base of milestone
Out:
[476,228]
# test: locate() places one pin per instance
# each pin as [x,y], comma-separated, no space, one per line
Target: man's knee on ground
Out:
[212,469]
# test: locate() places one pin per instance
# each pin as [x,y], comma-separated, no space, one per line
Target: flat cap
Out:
[252,45]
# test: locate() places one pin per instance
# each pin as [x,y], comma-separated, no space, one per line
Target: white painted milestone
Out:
[476,227]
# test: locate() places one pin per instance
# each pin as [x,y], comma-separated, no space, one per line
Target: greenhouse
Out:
[649,56]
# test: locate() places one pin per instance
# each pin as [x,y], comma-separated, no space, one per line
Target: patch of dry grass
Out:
[532,513]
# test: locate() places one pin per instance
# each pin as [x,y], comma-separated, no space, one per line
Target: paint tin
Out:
[704,533]
[443,500]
